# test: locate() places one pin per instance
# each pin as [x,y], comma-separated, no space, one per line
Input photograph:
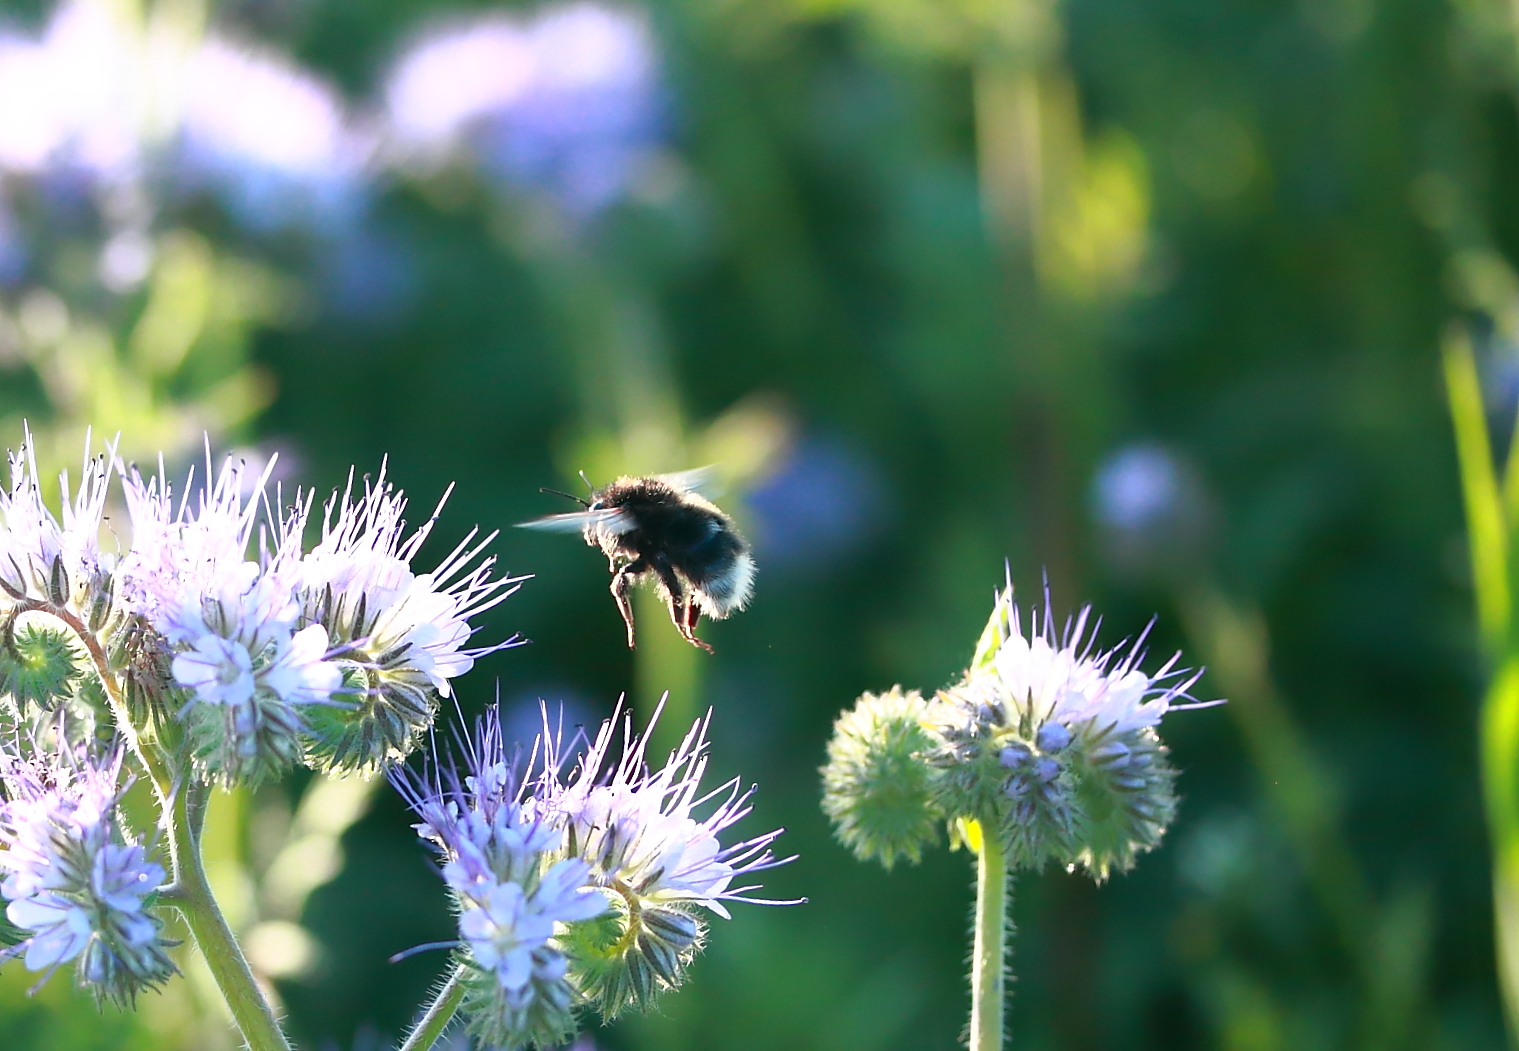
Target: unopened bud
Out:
[1015,756]
[876,786]
[1053,736]
[1113,754]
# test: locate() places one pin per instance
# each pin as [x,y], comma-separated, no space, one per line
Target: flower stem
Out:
[988,969]
[439,1013]
[182,806]
[152,764]
[250,1009]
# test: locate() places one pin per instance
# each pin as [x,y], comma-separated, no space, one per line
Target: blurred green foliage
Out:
[934,264]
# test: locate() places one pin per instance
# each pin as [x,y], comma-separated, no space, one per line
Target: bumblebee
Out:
[661,528]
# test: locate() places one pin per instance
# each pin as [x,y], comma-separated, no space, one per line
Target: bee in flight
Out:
[661,526]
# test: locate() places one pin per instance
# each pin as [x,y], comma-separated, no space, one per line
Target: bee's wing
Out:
[699,480]
[612,519]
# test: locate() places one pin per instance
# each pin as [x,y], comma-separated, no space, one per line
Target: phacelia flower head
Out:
[579,888]
[512,887]
[403,633]
[76,885]
[44,558]
[648,848]
[1053,744]
[229,621]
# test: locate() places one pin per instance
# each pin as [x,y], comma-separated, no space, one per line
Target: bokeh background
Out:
[1144,298]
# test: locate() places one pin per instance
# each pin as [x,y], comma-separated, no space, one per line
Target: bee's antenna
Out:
[556,492]
[587,481]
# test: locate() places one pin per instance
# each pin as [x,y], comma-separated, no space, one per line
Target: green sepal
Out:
[39,664]
[147,672]
[539,1017]
[234,744]
[376,718]
[998,627]
[1126,807]
[10,934]
[622,959]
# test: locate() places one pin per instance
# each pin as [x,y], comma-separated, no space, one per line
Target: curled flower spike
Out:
[640,832]
[512,889]
[579,890]
[75,884]
[1053,743]
[1046,742]
[202,658]
[403,633]
[1045,750]
[876,787]
[40,663]
[230,624]
[44,559]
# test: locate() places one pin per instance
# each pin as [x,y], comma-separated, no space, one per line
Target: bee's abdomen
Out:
[712,553]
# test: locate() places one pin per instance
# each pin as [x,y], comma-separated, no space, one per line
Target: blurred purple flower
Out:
[107,97]
[272,137]
[1138,487]
[1151,509]
[569,101]
[72,96]
[823,499]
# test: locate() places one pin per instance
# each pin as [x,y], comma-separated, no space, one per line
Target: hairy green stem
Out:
[439,1013]
[182,803]
[152,763]
[250,1009]
[988,967]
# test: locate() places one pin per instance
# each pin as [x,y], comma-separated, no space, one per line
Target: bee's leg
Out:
[622,583]
[680,602]
[693,614]
[688,629]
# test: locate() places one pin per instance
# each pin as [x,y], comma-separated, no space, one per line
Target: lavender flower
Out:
[117,101]
[75,882]
[512,894]
[1053,742]
[47,560]
[569,101]
[403,633]
[230,620]
[639,831]
[55,564]
[579,890]
[1152,511]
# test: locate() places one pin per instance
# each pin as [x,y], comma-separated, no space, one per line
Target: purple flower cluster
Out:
[245,655]
[245,648]
[257,643]
[76,885]
[577,888]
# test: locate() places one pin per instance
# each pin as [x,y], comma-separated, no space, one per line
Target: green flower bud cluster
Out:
[40,664]
[877,788]
[1045,743]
